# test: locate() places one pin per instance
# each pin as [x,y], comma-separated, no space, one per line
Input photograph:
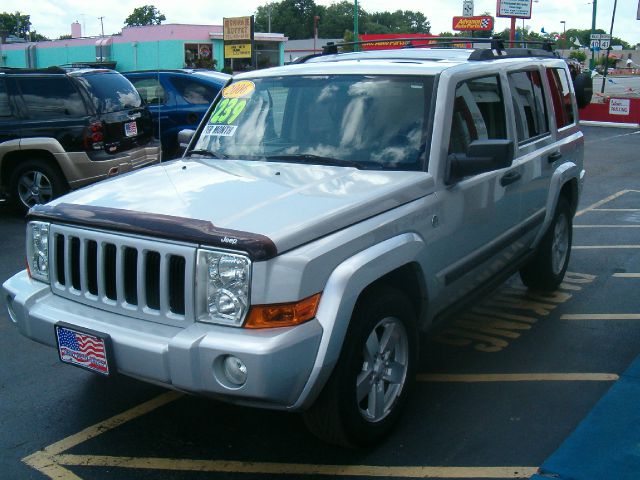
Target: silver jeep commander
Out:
[322,215]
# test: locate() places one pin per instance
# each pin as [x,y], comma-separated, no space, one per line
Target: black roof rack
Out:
[496,50]
[33,70]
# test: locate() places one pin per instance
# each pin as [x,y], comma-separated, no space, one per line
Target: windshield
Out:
[376,122]
[111,92]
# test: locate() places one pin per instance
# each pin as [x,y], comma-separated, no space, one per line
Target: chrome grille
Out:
[136,277]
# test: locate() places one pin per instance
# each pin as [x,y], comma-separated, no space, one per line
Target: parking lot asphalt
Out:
[519,381]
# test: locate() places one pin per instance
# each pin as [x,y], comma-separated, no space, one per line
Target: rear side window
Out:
[561,96]
[478,113]
[51,97]
[110,92]
[194,92]
[150,90]
[528,104]
[5,108]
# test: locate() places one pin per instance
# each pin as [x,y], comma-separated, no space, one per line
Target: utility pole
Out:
[356,36]
[592,63]
[101,36]
[606,61]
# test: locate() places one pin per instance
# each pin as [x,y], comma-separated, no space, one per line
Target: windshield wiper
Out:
[312,159]
[206,153]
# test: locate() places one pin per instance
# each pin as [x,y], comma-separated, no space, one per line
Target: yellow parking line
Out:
[603,201]
[518,377]
[268,468]
[615,210]
[601,316]
[46,460]
[626,275]
[604,247]
[606,226]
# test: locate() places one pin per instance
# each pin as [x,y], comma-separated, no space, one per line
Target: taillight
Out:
[94,138]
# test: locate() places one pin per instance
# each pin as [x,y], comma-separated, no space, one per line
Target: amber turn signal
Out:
[283,314]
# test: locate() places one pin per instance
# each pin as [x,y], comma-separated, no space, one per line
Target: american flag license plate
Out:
[130,129]
[83,348]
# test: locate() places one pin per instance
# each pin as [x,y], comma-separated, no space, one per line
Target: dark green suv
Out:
[60,130]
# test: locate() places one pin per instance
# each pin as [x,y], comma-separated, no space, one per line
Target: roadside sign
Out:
[514,8]
[484,22]
[600,41]
[467,8]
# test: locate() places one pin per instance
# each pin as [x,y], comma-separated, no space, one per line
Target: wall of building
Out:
[136,48]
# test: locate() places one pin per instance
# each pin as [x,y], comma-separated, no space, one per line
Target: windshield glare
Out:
[371,121]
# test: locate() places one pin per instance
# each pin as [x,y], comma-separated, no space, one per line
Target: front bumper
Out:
[279,361]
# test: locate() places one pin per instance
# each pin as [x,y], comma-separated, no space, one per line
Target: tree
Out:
[15,24]
[578,55]
[146,15]
[294,18]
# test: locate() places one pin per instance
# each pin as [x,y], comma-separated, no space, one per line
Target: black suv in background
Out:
[60,130]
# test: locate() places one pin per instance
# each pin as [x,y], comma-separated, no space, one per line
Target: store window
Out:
[266,54]
[199,55]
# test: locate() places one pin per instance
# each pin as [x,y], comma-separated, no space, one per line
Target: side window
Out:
[150,90]
[528,104]
[51,97]
[478,113]
[561,96]
[5,108]
[194,92]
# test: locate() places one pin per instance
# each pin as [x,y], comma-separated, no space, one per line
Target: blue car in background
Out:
[177,100]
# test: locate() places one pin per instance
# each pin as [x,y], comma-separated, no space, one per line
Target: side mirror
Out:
[184,138]
[482,156]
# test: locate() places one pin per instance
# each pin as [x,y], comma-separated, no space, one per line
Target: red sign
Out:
[473,23]
[392,40]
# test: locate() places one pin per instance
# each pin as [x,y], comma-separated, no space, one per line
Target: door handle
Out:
[554,156]
[510,177]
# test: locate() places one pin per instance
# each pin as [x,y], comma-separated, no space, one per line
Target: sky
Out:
[53,18]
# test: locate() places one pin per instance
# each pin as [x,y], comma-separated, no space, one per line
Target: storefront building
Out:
[145,48]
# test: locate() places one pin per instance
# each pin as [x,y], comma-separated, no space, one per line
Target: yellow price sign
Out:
[241,50]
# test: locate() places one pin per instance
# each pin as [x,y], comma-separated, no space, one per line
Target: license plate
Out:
[130,129]
[83,348]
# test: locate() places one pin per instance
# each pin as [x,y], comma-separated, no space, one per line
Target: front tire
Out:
[545,271]
[35,182]
[368,388]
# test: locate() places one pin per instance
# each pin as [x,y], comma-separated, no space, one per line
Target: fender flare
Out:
[342,290]
[564,173]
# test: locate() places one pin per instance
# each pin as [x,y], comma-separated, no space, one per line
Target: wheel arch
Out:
[391,262]
[12,160]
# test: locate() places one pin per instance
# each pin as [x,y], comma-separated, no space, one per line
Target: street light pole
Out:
[564,34]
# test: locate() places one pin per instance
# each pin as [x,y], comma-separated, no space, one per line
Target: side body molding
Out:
[339,297]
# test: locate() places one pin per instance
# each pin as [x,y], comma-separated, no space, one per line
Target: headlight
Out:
[38,250]
[223,287]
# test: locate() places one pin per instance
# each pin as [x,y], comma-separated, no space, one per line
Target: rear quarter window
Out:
[110,92]
[561,96]
[51,97]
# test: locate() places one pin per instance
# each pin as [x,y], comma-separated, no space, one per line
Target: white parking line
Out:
[626,275]
[518,377]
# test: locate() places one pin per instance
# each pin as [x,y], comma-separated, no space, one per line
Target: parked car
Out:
[323,214]
[177,99]
[61,130]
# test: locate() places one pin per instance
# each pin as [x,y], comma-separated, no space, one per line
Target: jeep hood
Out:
[288,203]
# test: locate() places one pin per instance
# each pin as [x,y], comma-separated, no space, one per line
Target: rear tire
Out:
[35,182]
[545,271]
[366,393]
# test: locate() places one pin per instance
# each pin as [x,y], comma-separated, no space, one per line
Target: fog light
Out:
[235,370]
